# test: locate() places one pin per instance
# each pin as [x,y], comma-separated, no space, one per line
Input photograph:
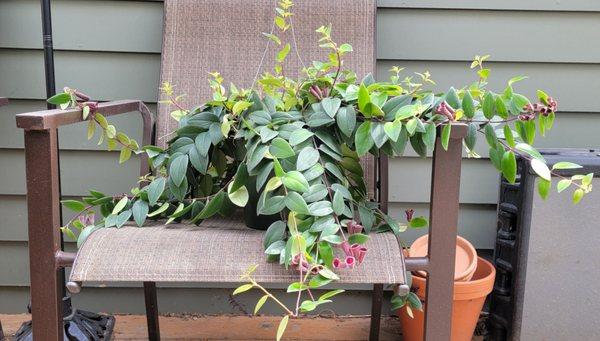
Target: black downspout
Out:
[51,91]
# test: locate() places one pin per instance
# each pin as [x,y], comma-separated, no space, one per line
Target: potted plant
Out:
[296,144]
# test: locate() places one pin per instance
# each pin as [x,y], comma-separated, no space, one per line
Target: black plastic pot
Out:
[251,218]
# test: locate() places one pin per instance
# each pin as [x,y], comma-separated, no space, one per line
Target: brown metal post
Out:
[41,162]
[151,311]
[445,188]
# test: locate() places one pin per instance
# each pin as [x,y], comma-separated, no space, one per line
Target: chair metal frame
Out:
[47,258]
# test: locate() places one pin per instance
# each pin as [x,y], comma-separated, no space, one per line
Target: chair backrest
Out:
[226,36]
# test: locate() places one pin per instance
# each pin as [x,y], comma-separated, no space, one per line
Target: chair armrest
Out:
[3,101]
[52,119]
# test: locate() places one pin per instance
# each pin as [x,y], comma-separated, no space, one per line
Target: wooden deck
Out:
[198,327]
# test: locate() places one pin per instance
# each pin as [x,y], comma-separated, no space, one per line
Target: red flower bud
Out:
[350,262]
[409,214]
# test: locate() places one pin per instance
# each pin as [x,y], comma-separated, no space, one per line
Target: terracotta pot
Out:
[466,257]
[469,297]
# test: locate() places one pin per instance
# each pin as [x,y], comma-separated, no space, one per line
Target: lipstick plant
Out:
[299,141]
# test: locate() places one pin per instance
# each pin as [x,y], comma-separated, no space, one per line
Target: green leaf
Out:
[563,184]
[508,136]
[260,303]
[203,143]
[122,218]
[330,294]
[283,52]
[296,203]
[452,98]
[446,135]
[140,211]
[331,105]
[159,210]
[300,135]
[59,99]
[471,137]
[378,134]
[543,187]
[280,148]
[178,168]
[241,177]
[529,150]
[338,203]
[468,105]
[282,326]
[488,106]
[74,205]
[367,218]
[240,106]
[307,157]
[275,248]
[490,136]
[326,253]
[541,169]
[346,120]
[320,208]
[242,288]
[509,166]
[358,238]
[393,129]
[411,125]
[363,141]
[414,301]
[120,205]
[84,234]
[501,109]
[363,99]
[577,195]
[275,232]
[124,155]
[418,222]
[155,190]
[239,197]
[566,165]
[295,181]
[212,206]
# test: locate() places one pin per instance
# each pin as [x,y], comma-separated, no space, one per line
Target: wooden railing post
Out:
[41,160]
[445,188]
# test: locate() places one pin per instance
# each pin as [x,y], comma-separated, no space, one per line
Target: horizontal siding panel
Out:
[124,26]
[13,225]
[573,85]
[72,137]
[410,181]
[477,223]
[104,76]
[80,172]
[528,5]
[460,35]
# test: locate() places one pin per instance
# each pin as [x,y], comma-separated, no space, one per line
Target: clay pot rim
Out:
[419,249]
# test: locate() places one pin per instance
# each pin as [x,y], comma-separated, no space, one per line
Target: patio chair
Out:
[198,40]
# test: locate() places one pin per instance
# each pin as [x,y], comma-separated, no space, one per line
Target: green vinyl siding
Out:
[111,50]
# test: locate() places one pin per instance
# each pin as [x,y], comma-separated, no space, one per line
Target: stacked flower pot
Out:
[473,281]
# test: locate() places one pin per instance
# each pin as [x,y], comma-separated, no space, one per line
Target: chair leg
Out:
[445,186]
[151,311]
[41,161]
[377,297]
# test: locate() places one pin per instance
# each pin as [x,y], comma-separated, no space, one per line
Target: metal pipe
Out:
[48,50]
[417,263]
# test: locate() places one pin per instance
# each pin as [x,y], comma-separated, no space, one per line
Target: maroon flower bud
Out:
[409,214]
[350,262]
[338,264]
[314,92]
[354,227]
[86,219]
[346,248]
[527,117]
[360,254]
[446,110]
[92,105]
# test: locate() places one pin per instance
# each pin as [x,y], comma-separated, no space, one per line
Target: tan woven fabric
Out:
[225,36]
[217,251]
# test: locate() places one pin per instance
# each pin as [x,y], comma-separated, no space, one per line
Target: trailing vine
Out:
[298,142]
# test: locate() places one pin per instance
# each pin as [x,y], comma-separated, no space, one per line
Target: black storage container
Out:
[540,247]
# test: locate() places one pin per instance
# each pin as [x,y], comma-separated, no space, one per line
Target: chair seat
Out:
[219,250]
